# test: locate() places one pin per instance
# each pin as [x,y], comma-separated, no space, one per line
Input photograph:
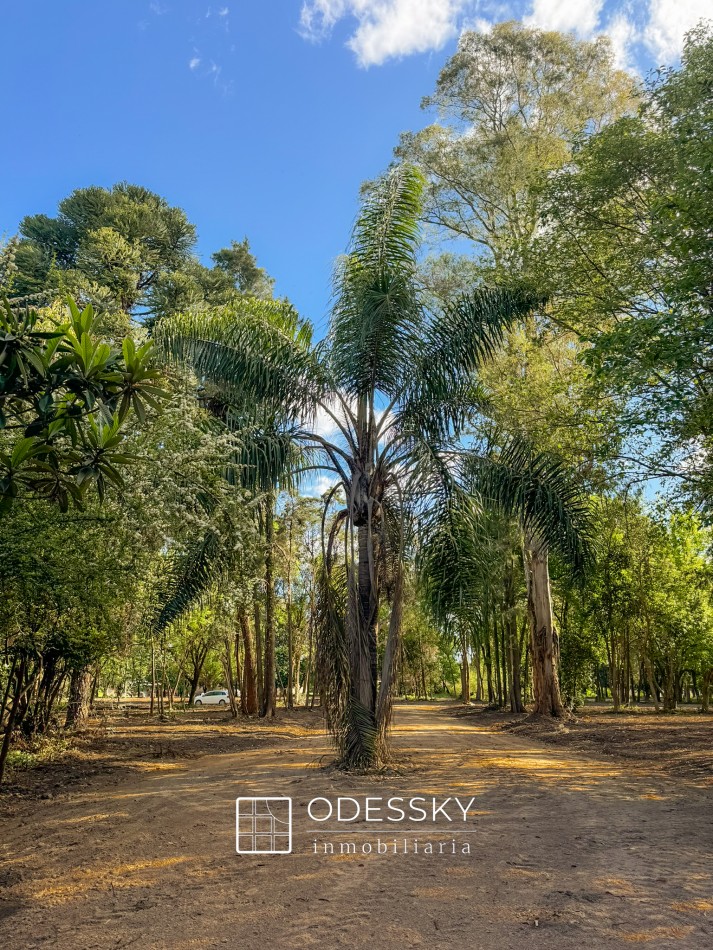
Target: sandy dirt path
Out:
[567,851]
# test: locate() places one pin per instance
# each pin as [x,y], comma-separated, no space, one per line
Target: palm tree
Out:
[395,380]
[552,512]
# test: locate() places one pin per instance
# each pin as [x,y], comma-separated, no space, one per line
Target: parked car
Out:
[217,697]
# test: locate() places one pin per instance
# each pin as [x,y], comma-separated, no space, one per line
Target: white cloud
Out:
[194,63]
[318,485]
[669,21]
[388,29]
[224,11]
[623,33]
[324,425]
[565,16]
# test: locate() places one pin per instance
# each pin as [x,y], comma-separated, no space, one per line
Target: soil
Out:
[597,833]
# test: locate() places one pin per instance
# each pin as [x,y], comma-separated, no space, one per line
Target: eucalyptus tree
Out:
[395,382]
[511,105]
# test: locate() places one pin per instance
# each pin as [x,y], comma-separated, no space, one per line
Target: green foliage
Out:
[512,103]
[107,246]
[129,253]
[540,491]
[645,609]
[65,401]
[240,268]
[627,248]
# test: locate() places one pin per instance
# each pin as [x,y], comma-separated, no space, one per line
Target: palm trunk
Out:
[363,672]
[543,636]
[362,739]
[389,669]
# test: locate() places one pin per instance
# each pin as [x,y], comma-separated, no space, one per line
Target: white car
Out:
[217,697]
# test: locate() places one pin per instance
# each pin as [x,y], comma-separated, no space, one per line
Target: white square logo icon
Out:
[263,825]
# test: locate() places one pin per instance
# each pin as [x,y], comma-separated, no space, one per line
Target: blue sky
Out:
[258,118]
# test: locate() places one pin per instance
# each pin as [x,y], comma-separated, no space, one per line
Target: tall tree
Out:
[396,381]
[512,104]
[110,246]
[628,249]
[129,253]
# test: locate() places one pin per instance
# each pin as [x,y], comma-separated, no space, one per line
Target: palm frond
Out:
[541,492]
[189,577]
[450,558]
[376,317]
[425,414]
[251,352]
[456,342]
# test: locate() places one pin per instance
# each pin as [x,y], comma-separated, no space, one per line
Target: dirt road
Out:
[566,851]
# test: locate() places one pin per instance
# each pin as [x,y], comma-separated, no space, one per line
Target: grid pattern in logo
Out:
[264,825]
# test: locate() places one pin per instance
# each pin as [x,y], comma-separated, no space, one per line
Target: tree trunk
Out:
[80,690]
[487,659]
[95,685]
[241,673]
[228,670]
[651,680]
[669,686]
[251,697]
[8,689]
[363,652]
[424,687]
[389,667]
[310,648]
[362,739]
[706,689]
[478,675]
[498,665]
[198,662]
[153,676]
[513,643]
[543,636]
[465,681]
[10,725]
[288,609]
[259,651]
[269,690]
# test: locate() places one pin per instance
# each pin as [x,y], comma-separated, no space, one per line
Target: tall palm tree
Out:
[552,511]
[395,380]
